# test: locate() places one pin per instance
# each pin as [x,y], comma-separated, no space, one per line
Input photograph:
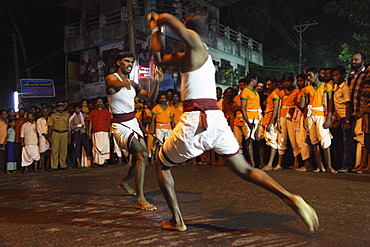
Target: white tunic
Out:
[122,101]
[200,83]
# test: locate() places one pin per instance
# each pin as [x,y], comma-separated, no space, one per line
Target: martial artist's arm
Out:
[152,95]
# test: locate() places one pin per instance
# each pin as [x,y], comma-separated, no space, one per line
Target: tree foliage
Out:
[360,43]
[358,13]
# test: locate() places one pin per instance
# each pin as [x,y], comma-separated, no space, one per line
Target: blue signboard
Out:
[37,88]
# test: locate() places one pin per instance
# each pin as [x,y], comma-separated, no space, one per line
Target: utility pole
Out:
[300,29]
[16,66]
[23,48]
[130,27]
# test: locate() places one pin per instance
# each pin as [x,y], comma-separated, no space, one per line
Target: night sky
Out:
[41,22]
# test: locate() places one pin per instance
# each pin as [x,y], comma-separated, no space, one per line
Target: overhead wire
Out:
[289,18]
[263,5]
[285,30]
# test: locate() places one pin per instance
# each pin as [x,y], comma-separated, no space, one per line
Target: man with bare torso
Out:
[126,129]
[202,125]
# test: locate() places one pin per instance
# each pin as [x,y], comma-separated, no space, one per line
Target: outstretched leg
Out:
[167,185]
[239,166]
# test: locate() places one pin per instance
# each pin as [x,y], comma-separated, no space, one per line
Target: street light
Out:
[15,100]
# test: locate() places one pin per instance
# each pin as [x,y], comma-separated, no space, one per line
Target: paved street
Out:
[83,207]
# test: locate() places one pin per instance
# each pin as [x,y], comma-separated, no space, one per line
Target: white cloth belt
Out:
[259,110]
[310,108]
[163,124]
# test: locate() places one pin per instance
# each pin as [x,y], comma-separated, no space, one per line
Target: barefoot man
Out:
[202,125]
[121,93]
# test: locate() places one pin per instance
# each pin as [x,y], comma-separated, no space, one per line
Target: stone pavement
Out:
[83,207]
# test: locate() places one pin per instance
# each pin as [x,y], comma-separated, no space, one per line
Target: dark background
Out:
[40,24]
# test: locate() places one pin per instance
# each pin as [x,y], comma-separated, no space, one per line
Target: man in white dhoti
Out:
[29,141]
[42,130]
[126,129]
[98,131]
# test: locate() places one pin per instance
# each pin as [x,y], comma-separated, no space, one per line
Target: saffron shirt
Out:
[163,116]
[177,110]
[270,106]
[253,102]
[287,101]
[316,97]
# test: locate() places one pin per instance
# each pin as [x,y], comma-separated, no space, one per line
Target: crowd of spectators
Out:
[320,118]
[298,115]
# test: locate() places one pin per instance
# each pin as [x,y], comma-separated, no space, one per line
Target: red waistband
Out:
[117,118]
[201,105]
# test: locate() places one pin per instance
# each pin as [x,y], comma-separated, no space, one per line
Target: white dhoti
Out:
[43,144]
[124,132]
[117,149]
[252,133]
[30,153]
[162,134]
[317,132]
[189,140]
[271,137]
[101,147]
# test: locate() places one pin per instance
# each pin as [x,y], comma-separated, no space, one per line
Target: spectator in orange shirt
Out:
[176,107]
[251,110]
[318,119]
[162,121]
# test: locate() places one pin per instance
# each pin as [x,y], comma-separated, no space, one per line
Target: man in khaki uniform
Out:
[59,137]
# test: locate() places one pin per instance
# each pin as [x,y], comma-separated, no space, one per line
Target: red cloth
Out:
[100,120]
[201,105]
[117,118]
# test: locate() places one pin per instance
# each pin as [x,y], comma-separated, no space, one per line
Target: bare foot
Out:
[301,169]
[319,170]
[278,167]
[332,171]
[145,205]
[172,226]
[126,187]
[305,211]
[267,168]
